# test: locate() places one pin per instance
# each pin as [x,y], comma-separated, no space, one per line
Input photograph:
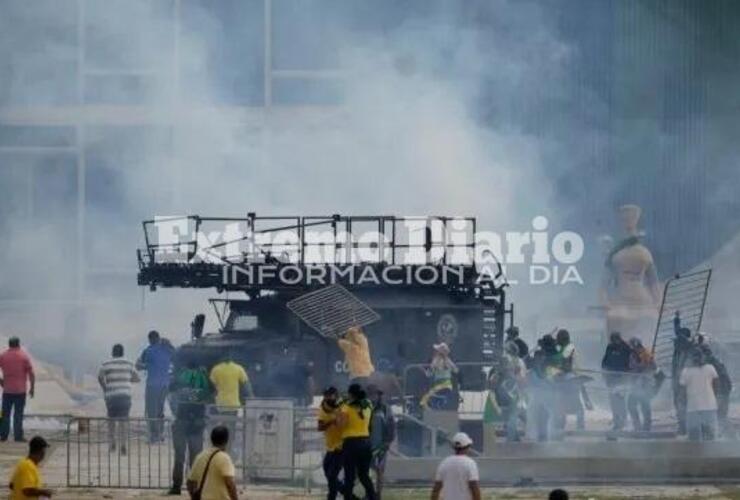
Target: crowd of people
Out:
[532,390]
[189,389]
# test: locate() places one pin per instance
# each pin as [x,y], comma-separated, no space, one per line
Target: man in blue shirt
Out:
[156,360]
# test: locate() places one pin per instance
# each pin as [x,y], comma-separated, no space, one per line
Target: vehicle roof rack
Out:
[229,253]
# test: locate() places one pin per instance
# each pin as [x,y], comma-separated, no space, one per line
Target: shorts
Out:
[118,406]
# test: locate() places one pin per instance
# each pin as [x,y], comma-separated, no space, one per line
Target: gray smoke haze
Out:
[459,108]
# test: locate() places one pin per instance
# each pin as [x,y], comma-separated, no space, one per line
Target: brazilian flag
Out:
[491,410]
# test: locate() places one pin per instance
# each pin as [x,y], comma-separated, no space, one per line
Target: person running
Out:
[382,434]
[457,476]
[191,392]
[26,482]
[156,360]
[116,377]
[213,472]
[327,423]
[18,374]
[701,402]
[357,355]
[357,454]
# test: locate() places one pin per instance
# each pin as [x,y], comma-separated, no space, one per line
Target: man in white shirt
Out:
[457,476]
[701,402]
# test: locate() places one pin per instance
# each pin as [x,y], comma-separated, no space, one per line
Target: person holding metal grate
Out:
[356,350]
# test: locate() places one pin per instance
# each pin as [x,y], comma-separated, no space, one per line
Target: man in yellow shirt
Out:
[213,471]
[26,482]
[357,355]
[354,420]
[328,413]
[228,378]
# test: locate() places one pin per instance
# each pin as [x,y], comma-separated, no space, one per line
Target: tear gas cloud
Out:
[462,108]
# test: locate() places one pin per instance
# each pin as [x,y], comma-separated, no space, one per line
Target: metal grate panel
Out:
[687,295]
[331,311]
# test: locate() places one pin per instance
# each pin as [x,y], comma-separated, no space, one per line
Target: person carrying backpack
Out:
[190,392]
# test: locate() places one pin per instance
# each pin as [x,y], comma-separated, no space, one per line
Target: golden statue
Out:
[630,292]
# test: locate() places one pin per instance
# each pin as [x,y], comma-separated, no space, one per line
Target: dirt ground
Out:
[580,493]
[54,473]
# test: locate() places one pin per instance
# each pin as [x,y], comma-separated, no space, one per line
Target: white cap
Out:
[442,348]
[461,440]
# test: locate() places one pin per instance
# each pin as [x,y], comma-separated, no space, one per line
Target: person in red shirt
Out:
[17,372]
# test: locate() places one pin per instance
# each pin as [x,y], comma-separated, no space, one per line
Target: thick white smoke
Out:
[430,121]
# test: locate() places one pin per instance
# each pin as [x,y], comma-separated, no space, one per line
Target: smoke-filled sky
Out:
[499,109]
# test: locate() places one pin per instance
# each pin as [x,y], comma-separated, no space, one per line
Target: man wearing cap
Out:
[18,379]
[26,482]
[457,476]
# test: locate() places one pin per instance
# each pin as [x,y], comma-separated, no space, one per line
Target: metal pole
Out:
[69,453]
[99,456]
[138,457]
[268,54]
[79,459]
[434,441]
[244,443]
[660,315]
[89,437]
[81,167]
[175,123]
[128,451]
[169,449]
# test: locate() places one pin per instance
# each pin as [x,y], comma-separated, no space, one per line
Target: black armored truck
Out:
[409,282]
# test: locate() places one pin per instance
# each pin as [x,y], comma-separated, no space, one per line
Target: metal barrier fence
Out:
[270,440]
[118,453]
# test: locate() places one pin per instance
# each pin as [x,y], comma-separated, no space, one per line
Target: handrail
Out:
[424,366]
[387,237]
[483,365]
[435,432]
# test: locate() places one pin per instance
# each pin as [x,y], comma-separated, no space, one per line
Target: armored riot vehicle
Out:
[419,275]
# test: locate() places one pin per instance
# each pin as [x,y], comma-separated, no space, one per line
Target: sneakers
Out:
[174,492]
